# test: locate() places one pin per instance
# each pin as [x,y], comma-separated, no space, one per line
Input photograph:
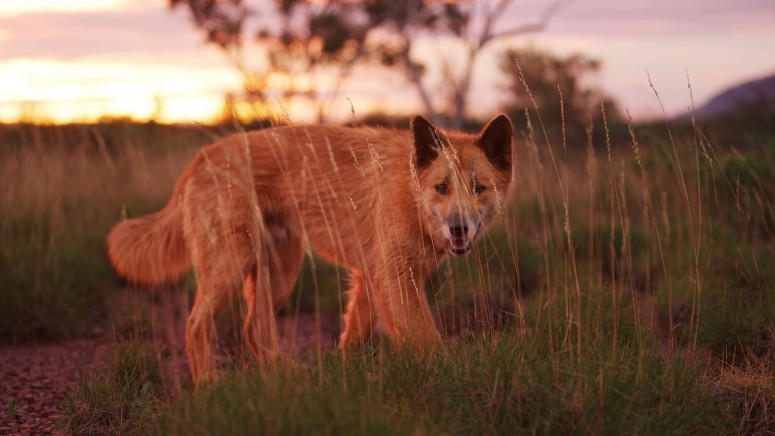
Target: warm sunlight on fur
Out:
[387,204]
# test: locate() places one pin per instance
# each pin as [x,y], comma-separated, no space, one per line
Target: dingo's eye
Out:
[478,189]
[441,189]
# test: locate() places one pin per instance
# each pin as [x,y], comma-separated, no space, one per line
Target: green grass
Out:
[623,291]
[63,188]
[504,385]
[120,397]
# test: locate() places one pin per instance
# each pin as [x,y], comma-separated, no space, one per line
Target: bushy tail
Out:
[151,249]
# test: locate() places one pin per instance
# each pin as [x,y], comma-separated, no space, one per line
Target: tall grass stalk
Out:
[627,289]
[63,188]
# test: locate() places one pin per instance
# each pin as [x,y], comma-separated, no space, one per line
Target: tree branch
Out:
[537,26]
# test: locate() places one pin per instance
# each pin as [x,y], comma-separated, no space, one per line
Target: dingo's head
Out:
[463,180]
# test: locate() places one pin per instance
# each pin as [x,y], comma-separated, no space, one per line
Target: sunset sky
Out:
[78,60]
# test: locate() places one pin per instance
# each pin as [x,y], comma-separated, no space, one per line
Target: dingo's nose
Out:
[458,229]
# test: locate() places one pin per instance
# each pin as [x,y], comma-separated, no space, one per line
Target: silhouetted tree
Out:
[304,37]
[538,78]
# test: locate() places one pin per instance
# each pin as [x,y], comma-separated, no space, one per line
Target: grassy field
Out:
[63,188]
[630,288]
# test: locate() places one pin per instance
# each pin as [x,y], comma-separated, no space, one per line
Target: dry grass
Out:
[626,281]
[63,187]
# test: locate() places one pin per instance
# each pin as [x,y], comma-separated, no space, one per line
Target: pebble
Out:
[37,377]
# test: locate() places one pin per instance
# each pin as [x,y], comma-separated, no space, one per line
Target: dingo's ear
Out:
[427,141]
[495,140]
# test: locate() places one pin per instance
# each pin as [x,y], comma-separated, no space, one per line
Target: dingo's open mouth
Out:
[459,247]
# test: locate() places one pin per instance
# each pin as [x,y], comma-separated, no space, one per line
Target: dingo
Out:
[387,204]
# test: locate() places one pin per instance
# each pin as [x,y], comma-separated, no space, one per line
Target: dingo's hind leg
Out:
[286,266]
[222,256]
[259,329]
[210,299]
[266,289]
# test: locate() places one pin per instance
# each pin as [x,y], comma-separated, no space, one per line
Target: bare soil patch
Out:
[36,376]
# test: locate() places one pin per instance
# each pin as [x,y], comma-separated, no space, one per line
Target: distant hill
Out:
[758,93]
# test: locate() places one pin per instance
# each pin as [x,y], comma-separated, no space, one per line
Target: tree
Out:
[538,78]
[333,37]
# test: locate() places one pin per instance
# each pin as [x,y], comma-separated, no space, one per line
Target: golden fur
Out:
[387,204]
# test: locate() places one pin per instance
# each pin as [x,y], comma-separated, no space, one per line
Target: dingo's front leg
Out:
[404,309]
[361,315]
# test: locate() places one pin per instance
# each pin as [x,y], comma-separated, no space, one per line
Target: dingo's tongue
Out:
[458,243]
[459,246]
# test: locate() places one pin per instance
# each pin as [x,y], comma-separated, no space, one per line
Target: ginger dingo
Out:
[389,205]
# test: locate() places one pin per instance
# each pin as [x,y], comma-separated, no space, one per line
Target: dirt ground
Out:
[36,376]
